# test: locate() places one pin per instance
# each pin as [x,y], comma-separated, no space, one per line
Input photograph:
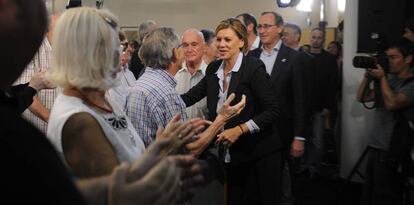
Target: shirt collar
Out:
[236,66]
[164,75]
[277,46]
[201,69]
[256,43]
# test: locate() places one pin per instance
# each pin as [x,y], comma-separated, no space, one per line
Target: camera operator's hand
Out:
[377,73]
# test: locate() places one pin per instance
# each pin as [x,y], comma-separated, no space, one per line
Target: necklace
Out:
[108,107]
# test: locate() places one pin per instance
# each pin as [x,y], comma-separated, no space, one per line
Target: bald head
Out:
[192,42]
[23,25]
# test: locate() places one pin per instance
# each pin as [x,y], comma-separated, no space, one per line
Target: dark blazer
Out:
[287,79]
[306,64]
[261,106]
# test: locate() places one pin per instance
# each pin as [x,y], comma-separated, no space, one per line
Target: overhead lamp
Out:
[287,3]
[305,5]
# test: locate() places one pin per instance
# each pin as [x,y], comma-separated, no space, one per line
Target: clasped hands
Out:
[159,178]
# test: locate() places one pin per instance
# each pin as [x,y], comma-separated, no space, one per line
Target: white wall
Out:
[355,118]
[183,14]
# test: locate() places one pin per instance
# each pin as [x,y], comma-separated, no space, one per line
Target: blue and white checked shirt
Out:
[153,102]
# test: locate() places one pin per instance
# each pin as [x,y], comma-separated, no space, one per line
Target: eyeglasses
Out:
[264,26]
[187,45]
[179,46]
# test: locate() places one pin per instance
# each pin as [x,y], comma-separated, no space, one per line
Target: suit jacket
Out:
[261,106]
[305,63]
[287,80]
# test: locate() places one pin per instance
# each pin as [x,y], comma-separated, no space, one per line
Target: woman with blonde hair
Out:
[252,157]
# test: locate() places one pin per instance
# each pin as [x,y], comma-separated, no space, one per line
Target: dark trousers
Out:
[383,185]
[256,182]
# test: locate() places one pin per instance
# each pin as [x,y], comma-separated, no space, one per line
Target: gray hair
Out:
[196,31]
[157,49]
[144,28]
[295,29]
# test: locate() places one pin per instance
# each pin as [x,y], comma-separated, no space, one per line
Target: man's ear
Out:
[250,27]
[174,56]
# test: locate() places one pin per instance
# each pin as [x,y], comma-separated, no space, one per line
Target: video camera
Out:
[370,60]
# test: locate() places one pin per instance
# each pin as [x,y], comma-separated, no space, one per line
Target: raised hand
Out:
[227,112]
[149,159]
[161,185]
[190,175]
[178,132]
[39,81]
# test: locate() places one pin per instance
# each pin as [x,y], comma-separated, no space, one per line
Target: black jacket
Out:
[288,84]
[261,106]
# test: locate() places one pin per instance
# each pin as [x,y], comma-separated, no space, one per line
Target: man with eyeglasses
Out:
[288,85]
[193,70]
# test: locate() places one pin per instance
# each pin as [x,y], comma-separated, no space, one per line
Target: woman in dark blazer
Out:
[254,167]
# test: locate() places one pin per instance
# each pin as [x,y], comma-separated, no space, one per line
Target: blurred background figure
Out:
[137,67]
[210,50]
[409,29]
[249,21]
[39,111]
[291,36]
[305,48]
[335,48]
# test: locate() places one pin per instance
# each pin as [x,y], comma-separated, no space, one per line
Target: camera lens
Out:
[364,62]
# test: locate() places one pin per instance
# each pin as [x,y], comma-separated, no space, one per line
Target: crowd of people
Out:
[228,116]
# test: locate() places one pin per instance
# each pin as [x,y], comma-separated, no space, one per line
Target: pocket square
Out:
[284,60]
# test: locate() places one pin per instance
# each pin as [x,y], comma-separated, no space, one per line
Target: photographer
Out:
[392,94]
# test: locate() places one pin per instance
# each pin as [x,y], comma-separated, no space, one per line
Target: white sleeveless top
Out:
[116,126]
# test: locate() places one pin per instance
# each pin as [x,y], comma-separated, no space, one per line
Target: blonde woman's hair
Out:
[85,49]
[237,26]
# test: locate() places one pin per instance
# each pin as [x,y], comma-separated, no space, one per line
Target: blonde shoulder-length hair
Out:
[85,49]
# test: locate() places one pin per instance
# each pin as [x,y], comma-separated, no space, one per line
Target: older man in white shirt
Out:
[193,69]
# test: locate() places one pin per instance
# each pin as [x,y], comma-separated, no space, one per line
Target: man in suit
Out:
[287,83]
[305,62]
[287,80]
